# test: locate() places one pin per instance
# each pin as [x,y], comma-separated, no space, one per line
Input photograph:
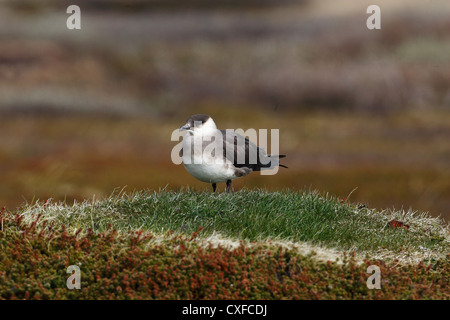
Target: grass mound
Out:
[159,246]
[259,216]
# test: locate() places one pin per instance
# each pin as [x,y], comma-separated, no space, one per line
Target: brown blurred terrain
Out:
[83,112]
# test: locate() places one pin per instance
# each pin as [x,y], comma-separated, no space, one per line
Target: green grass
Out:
[166,245]
[257,215]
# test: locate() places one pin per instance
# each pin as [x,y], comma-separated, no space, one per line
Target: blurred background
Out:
[84,112]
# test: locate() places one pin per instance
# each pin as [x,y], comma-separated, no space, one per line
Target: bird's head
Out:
[199,123]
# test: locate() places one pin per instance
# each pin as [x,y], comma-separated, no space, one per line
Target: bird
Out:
[212,155]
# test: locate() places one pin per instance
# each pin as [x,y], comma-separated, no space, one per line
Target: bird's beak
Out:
[185,127]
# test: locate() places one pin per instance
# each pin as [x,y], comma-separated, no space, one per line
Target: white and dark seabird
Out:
[212,155]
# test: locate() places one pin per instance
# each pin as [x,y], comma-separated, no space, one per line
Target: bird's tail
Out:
[275,160]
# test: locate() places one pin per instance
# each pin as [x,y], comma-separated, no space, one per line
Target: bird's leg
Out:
[214,187]
[228,186]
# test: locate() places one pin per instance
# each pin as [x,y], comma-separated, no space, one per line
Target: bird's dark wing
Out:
[244,153]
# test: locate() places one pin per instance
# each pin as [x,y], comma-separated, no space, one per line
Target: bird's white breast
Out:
[203,165]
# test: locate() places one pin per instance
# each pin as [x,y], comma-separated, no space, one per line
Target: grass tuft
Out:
[120,259]
[294,217]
